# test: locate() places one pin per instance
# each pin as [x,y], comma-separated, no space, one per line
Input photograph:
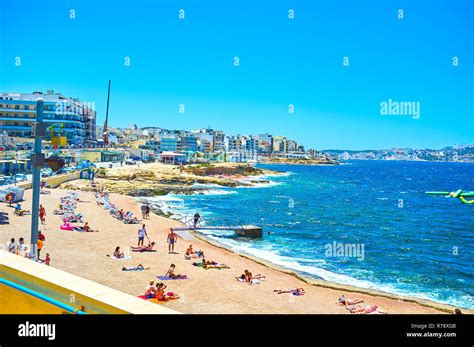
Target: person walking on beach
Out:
[172,238]
[42,214]
[143,210]
[141,235]
[197,217]
[147,211]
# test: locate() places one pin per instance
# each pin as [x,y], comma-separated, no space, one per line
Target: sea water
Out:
[412,244]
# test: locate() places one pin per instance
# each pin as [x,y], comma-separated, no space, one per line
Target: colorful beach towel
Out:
[167,278]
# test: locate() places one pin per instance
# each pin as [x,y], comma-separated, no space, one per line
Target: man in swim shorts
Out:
[141,235]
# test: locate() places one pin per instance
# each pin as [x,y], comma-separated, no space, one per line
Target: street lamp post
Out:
[37,162]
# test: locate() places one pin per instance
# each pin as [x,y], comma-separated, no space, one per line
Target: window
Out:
[17,107]
[27,107]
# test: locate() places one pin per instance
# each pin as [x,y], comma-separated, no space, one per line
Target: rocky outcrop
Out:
[155,179]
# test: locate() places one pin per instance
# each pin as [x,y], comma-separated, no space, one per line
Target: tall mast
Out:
[106,141]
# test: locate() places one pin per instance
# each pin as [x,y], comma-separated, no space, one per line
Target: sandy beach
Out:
[206,291]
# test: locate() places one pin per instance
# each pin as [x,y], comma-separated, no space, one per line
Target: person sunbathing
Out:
[294,291]
[86,228]
[190,253]
[251,279]
[347,302]
[148,248]
[117,254]
[139,267]
[170,273]
[160,293]
[367,309]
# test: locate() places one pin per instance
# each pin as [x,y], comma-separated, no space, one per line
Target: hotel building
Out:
[68,116]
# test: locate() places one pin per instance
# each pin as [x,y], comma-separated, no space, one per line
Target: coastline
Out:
[207,291]
[445,308]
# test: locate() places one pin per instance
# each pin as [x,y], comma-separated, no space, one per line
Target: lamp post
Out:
[37,162]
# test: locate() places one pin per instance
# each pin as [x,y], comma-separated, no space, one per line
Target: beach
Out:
[205,291]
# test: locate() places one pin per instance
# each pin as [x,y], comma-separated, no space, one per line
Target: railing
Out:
[40,296]
[216,223]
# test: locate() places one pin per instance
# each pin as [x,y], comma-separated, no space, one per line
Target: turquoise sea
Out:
[409,243]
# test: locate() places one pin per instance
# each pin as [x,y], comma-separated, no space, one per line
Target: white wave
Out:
[272,256]
[216,192]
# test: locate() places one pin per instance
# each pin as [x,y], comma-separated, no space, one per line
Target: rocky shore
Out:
[150,180]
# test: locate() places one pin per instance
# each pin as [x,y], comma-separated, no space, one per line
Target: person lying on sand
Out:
[139,267]
[367,309]
[143,248]
[294,291]
[347,302]
[251,279]
[85,228]
[170,273]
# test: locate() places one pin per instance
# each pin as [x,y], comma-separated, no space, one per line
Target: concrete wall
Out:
[62,286]
[53,181]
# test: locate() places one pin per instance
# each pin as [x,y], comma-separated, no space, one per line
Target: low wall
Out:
[63,287]
[53,181]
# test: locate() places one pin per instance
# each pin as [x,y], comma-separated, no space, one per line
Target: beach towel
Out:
[218,267]
[167,278]
[143,250]
[124,258]
[155,299]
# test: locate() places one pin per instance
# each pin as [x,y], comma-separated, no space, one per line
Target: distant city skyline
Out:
[347,67]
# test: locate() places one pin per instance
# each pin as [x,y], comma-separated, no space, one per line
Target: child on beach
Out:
[12,246]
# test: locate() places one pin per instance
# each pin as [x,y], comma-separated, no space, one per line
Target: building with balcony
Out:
[63,116]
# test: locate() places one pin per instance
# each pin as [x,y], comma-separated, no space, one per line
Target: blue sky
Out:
[282,62]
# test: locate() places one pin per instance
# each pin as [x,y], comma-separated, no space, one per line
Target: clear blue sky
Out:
[282,62]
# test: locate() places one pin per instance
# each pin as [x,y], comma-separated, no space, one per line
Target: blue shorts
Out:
[141,238]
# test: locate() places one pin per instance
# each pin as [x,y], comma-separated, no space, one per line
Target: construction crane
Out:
[106,141]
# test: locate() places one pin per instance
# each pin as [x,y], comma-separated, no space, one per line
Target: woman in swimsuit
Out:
[346,302]
[118,254]
[170,273]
